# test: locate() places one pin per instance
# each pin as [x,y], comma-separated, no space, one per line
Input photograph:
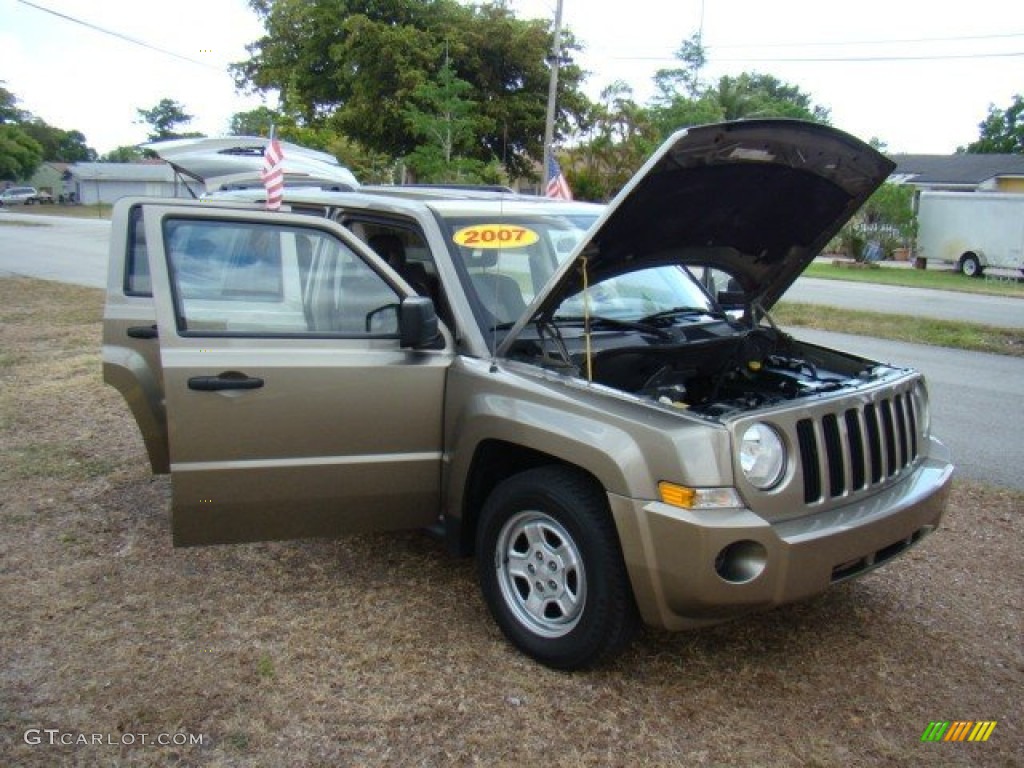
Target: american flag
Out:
[273,174]
[558,187]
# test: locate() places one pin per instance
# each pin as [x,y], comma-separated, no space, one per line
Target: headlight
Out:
[762,456]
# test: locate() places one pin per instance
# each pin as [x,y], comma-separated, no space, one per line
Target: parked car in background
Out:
[19,196]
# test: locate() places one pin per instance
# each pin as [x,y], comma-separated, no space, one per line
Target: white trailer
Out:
[973,230]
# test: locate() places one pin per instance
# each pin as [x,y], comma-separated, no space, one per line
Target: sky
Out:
[917,74]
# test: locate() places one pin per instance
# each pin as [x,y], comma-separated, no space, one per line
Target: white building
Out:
[108,182]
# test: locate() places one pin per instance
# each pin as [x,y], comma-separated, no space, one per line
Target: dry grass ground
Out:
[377,650]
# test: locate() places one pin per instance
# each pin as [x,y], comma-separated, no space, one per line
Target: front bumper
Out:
[693,568]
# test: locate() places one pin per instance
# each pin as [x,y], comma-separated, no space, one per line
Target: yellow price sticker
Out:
[495,236]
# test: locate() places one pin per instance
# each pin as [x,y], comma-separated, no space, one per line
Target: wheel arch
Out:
[495,460]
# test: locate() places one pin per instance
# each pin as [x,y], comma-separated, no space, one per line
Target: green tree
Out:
[620,136]
[59,145]
[124,154]
[683,99]
[356,65]
[1001,132]
[754,95]
[674,82]
[443,115]
[20,154]
[163,117]
[9,110]
[887,218]
[255,122]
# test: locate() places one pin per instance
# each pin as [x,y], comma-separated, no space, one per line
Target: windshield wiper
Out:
[629,325]
[682,312]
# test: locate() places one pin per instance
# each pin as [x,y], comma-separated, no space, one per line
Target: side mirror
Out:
[417,323]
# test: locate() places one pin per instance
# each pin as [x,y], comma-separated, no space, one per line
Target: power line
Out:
[874,42]
[127,38]
[932,57]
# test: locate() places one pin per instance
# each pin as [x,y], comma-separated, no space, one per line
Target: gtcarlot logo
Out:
[57,737]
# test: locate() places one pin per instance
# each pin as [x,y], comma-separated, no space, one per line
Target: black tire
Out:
[970,266]
[551,568]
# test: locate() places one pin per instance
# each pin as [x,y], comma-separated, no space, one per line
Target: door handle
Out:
[226,380]
[142,332]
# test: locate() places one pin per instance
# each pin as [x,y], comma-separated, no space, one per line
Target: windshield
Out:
[507,259]
[645,294]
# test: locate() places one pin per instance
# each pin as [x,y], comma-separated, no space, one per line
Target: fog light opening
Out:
[741,561]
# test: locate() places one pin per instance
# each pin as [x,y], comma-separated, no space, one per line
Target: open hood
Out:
[757,198]
[234,160]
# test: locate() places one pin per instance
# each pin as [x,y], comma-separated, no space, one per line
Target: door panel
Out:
[292,411]
[131,352]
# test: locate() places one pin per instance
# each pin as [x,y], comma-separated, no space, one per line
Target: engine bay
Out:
[714,370]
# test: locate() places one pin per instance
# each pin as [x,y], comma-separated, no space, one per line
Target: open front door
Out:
[292,410]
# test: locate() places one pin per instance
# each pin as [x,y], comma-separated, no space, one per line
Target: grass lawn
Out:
[101,211]
[942,280]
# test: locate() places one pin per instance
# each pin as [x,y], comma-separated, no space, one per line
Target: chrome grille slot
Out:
[842,453]
[885,408]
[809,460]
[834,455]
[855,439]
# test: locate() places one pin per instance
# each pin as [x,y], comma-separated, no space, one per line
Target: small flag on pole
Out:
[558,187]
[273,173]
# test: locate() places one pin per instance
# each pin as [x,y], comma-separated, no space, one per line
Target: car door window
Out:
[137,281]
[260,279]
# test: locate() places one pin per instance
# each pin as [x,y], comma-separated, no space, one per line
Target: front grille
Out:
[853,450]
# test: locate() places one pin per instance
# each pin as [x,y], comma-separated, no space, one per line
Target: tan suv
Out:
[592,400]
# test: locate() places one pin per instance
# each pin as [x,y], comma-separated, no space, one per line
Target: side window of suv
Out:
[258,279]
[136,269]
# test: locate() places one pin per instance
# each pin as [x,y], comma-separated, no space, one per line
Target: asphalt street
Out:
[54,248]
[1005,312]
[977,399]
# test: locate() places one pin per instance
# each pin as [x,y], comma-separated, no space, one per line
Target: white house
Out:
[108,182]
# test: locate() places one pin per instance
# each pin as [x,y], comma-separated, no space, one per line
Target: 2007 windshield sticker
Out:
[495,236]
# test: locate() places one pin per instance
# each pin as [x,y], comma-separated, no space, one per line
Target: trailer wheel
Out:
[969,265]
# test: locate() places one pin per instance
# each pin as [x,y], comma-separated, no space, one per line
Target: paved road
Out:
[922,302]
[75,251]
[65,249]
[977,401]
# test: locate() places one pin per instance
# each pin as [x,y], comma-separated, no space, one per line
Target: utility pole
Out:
[549,125]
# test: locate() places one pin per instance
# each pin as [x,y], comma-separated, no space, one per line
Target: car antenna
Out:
[494,298]
[588,353]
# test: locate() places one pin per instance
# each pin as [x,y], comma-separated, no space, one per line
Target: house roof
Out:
[122,172]
[964,169]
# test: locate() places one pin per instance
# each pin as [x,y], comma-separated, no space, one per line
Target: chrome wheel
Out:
[540,574]
[551,568]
